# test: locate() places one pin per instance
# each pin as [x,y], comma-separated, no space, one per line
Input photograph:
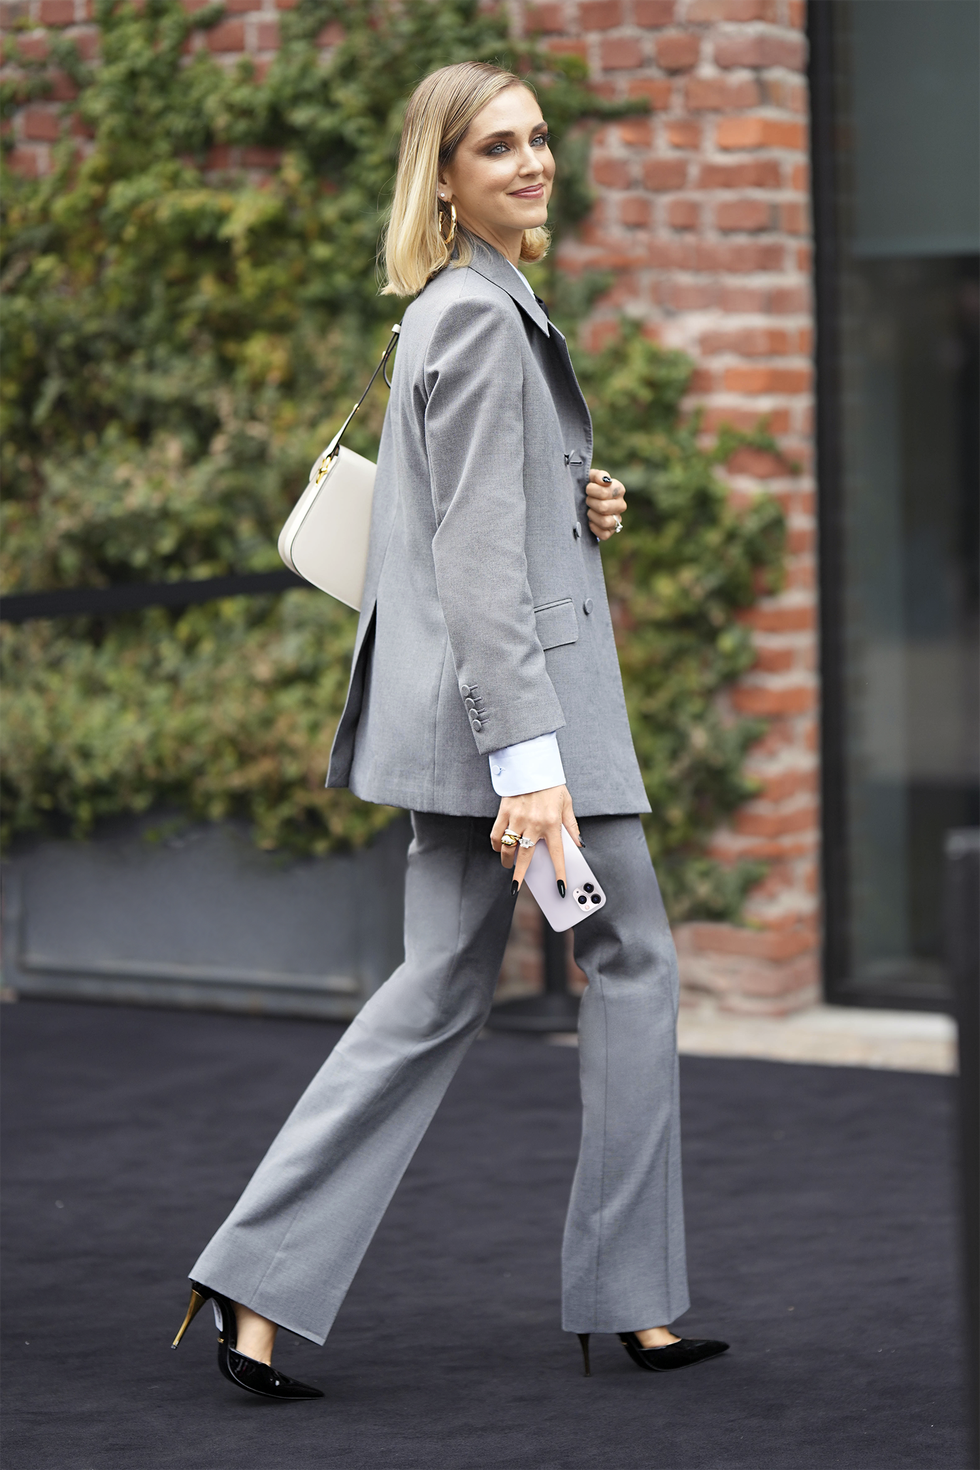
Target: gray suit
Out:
[484,620]
[484,623]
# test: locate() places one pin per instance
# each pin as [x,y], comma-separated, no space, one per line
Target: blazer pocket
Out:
[556,623]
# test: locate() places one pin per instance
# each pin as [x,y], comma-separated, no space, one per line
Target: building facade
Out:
[797,211]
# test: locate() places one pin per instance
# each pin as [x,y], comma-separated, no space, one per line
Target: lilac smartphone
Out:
[583,895]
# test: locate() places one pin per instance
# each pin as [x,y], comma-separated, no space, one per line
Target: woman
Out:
[485,696]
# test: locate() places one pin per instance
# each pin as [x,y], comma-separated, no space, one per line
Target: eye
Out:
[542,138]
[497,147]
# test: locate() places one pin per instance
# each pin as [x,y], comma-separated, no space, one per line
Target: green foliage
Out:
[182,336]
[677,582]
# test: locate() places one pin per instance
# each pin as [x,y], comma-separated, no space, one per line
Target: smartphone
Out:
[583,895]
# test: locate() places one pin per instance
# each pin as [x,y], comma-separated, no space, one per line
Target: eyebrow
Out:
[509,132]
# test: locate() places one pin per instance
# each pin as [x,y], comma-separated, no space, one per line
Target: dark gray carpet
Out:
[822,1240]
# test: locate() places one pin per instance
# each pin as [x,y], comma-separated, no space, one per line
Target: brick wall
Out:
[703,214]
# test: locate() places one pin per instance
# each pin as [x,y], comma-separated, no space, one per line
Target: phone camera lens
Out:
[596,898]
[588,887]
[582,898]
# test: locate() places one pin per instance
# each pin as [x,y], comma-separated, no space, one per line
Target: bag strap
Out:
[334,444]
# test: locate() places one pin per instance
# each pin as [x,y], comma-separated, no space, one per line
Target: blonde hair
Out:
[438,114]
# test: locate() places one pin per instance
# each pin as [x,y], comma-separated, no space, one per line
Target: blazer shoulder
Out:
[463,296]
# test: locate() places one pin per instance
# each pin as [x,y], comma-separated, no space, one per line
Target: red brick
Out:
[764,944]
[544,19]
[790,783]
[758,463]
[57,12]
[63,89]
[752,173]
[33,48]
[789,300]
[677,51]
[736,297]
[40,126]
[635,210]
[651,13]
[787,92]
[780,619]
[636,132]
[750,342]
[800,540]
[721,94]
[267,35]
[218,157]
[621,53]
[228,36]
[794,217]
[766,824]
[774,661]
[86,43]
[261,157]
[700,11]
[740,256]
[744,215]
[760,48]
[767,379]
[684,133]
[611,173]
[331,35]
[286,4]
[695,295]
[796,14]
[715,418]
[665,173]
[683,214]
[600,15]
[799,178]
[760,132]
[800,576]
[237,7]
[25,161]
[753,699]
[562,47]
[658,91]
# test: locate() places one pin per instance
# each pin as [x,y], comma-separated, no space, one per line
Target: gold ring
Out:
[509,839]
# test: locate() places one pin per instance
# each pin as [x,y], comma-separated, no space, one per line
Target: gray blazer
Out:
[484,620]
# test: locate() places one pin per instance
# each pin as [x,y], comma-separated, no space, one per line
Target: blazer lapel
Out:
[493,267]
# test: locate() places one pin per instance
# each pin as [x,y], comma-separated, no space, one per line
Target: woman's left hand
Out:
[606,499]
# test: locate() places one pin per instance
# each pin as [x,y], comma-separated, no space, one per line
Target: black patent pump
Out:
[247,1373]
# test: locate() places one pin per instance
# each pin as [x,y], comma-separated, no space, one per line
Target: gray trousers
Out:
[291,1245]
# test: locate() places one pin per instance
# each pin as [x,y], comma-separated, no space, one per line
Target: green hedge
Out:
[180,342]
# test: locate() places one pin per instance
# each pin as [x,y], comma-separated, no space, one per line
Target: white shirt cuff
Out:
[531,765]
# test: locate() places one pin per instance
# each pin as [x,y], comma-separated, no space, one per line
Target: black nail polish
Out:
[561,888]
[515,888]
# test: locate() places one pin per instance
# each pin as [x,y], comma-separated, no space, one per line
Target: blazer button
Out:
[477,724]
[588,605]
[577,529]
[465,689]
[470,703]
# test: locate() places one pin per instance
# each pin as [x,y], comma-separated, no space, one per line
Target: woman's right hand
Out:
[538,816]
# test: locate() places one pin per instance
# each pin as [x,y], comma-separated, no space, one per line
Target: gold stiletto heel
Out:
[247,1373]
[196,1303]
[583,1338]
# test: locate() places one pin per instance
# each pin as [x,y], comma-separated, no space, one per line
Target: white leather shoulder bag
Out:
[325,540]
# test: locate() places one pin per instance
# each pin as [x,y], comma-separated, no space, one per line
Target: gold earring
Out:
[447,240]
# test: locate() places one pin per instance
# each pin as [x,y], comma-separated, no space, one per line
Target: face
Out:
[501,174]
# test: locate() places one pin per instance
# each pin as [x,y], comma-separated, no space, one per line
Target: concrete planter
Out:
[202,919]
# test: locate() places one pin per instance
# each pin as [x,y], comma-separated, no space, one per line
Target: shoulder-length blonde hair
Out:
[438,114]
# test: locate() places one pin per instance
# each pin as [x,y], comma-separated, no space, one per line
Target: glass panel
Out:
[908,210]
